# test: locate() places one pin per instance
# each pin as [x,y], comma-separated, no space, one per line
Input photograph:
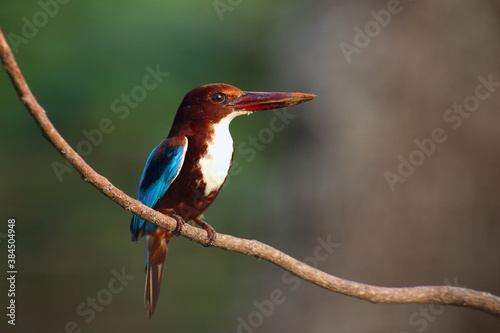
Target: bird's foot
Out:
[211,234]
[180,224]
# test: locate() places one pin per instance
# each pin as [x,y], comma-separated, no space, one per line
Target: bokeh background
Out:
[318,178]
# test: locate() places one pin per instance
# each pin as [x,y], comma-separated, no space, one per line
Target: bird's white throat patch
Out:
[216,161]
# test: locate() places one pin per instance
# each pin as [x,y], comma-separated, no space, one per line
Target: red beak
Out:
[257,101]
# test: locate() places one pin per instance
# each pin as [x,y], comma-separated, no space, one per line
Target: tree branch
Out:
[445,295]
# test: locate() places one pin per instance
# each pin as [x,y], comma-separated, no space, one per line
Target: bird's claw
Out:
[211,234]
[180,223]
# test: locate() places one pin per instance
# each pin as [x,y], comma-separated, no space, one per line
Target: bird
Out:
[185,172]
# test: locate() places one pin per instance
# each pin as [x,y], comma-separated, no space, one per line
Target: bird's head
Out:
[212,103]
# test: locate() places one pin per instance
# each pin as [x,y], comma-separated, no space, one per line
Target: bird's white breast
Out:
[216,161]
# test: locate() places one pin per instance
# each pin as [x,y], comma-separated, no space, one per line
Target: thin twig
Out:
[445,295]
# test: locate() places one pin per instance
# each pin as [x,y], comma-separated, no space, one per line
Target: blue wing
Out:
[162,167]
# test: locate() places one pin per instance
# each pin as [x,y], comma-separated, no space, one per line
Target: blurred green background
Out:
[322,176]
[70,237]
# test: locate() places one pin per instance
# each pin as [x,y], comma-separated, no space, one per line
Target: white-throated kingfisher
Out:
[184,173]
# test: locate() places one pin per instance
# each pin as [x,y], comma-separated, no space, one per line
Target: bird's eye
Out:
[218,97]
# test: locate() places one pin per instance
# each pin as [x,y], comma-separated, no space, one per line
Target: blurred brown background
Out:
[442,222]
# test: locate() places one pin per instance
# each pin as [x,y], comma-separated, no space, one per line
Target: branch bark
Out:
[445,295]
